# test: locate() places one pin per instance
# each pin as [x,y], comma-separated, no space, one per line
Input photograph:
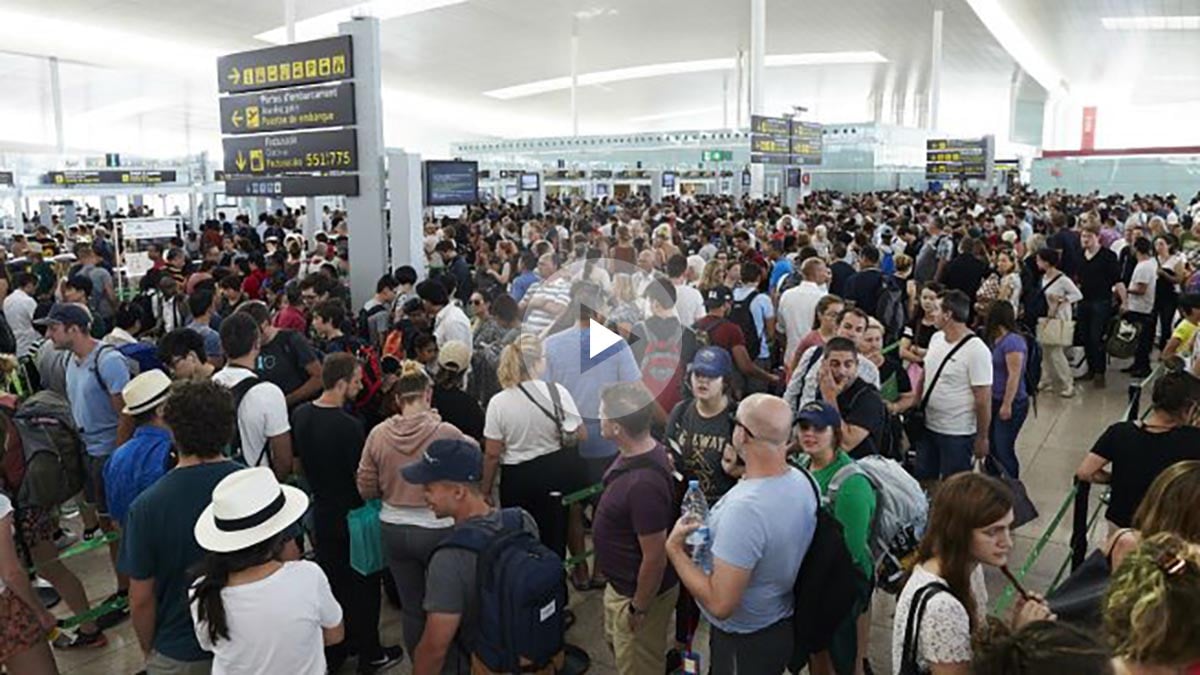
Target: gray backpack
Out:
[51,448]
[901,511]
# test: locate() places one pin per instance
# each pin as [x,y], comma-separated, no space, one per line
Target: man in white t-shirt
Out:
[263,430]
[689,304]
[19,308]
[1139,304]
[959,408]
[798,305]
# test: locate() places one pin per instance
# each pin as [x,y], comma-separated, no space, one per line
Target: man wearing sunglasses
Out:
[761,530]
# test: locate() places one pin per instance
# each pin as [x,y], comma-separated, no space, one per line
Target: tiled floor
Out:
[1050,447]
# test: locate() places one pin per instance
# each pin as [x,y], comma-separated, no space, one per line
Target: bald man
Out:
[760,531]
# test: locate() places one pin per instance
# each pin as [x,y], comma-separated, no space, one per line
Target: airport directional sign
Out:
[112,177]
[312,151]
[292,186]
[323,105]
[807,143]
[311,62]
[716,156]
[6,178]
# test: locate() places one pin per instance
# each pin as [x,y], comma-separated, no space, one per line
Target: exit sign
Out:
[717,156]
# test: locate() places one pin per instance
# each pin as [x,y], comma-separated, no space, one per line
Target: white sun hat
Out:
[248,507]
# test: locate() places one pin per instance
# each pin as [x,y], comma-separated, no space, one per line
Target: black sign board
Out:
[112,159]
[218,176]
[127,177]
[287,65]
[292,152]
[6,178]
[293,186]
[770,126]
[793,177]
[325,105]
[451,183]
[602,173]
[807,143]
[484,174]
[565,174]
[769,158]
[956,158]
[633,174]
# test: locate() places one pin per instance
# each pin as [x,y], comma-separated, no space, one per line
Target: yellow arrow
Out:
[236,117]
[240,161]
[235,76]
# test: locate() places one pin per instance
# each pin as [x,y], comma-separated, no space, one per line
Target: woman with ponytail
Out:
[410,529]
[253,611]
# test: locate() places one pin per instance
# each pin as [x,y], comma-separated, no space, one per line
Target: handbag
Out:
[914,420]
[1023,509]
[1079,599]
[366,538]
[1123,337]
[1056,332]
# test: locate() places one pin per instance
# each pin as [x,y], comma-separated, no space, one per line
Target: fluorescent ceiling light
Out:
[1151,22]
[324,25]
[678,68]
[694,112]
[1013,39]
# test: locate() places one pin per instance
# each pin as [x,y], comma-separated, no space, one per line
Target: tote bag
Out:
[1056,332]
[366,538]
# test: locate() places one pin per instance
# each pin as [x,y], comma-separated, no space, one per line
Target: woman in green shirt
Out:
[854,507]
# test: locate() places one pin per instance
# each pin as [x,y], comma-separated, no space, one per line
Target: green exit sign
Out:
[717,156]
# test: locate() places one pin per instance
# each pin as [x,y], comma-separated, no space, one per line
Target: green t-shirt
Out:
[854,508]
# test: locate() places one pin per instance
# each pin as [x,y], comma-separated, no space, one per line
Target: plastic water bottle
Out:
[695,506]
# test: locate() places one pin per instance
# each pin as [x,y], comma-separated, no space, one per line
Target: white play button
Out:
[600,339]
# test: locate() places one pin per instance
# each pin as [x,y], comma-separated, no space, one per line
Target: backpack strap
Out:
[820,349]
[942,366]
[239,391]
[555,402]
[912,630]
[842,475]
[95,367]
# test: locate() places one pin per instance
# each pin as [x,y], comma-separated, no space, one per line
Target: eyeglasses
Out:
[745,428]
[477,301]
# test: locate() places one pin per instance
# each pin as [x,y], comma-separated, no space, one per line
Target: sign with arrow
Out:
[311,62]
[325,105]
[314,151]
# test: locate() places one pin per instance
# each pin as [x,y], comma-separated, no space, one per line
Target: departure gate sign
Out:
[325,105]
[125,177]
[287,65]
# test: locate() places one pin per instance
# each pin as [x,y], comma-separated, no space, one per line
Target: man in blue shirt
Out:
[761,529]
[527,277]
[95,376]
[762,311]
[569,362]
[145,457]
[158,547]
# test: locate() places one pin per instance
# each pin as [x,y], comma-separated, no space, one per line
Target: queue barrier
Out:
[1083,523]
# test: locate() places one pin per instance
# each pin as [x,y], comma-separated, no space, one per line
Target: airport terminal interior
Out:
[607,336]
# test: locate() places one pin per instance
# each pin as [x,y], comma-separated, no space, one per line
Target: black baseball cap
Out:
[68,314]
[447,460]
[717,296]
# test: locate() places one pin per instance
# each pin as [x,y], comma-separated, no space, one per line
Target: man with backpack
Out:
[263,431]
[753,312]
[96,376]
[635,512]
[864,286]
[715,330]
[664,346]
[935,253]
[475,624]
[286,359]
[760,532]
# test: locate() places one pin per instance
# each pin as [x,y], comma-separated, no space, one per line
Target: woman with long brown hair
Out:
[945,599]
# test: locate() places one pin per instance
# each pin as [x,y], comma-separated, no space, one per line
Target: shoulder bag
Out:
[914,420]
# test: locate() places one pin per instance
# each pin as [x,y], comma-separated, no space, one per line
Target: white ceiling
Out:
[148,66]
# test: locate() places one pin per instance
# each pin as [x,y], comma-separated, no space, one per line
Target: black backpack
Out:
[521,594]
[890,310]
[828,579]
[8,341]
[741,314]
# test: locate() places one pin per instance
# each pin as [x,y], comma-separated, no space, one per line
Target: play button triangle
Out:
[600,339]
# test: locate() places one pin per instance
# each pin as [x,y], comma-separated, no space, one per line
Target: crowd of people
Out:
[801,365]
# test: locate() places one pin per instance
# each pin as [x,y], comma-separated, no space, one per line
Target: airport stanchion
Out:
[1079,523]
[1006,598]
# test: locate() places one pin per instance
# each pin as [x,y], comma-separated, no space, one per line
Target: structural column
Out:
[935,70]
[365,213]
[758,58]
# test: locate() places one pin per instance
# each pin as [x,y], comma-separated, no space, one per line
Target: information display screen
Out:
[956,159]
[531,182]
[451,183]
[807,143]
[794,177]
[601,190]
[668,181]
[511,191]
[770,140]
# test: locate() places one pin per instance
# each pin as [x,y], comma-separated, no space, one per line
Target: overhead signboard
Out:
[602,173]
[770,140]
[633,174]
[292,152]
[807,143]
[958,159]
[770,126]
[565,174]
[451,183]
[716,156]
[292,186]
[287,65]
[325,105]
[7,178]
[101,177]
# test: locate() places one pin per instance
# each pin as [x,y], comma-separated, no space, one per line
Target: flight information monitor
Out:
[530,182]
[959,158]
[451,183]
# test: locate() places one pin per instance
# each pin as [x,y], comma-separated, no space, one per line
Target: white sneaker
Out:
[1067,393]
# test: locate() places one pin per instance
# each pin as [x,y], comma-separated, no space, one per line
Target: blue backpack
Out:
[521,594]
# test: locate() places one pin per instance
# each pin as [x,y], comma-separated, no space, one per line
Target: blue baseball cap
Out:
[819,414]
[68,314]
[446,460]
[711,362]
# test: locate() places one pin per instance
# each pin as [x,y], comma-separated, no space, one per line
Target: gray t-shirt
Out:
[99,300]
[450,589]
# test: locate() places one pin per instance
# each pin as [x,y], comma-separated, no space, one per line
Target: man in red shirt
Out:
[722,332]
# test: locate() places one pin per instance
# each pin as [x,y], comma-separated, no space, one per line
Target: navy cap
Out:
[67,313]
[717,296]
[446,460]
[712,362]
[819,414]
